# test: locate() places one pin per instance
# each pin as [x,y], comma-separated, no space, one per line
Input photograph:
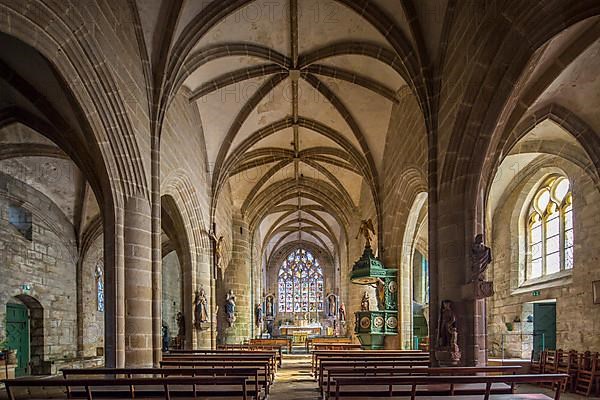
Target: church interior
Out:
[300,199]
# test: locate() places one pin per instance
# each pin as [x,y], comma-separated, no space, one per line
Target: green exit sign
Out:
[535,293]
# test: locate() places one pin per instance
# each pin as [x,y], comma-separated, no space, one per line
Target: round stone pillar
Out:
[138,282]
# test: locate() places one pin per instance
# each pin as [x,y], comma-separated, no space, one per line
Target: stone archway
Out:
[36,333]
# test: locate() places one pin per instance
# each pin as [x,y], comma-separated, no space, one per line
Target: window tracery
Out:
[300,283]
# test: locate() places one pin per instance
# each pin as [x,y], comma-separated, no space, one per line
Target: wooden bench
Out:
[264,366]
[285,342]
[162,386]
[322,354]
[240,349]
[318,356]
[377,370]
[251,374]
[270,357]
[418,386]
[326,339]
[325,365]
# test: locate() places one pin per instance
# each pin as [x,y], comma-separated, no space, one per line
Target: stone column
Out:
[138,282]
[455,232]
[237,278]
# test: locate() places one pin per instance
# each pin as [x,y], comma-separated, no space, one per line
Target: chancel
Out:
[217,198]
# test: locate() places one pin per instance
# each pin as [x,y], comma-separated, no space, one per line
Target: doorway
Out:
[544,326]
[17,335]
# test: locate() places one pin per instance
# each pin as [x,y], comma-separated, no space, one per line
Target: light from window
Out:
[100,287]
[550,229]
[20,218]
[300,283]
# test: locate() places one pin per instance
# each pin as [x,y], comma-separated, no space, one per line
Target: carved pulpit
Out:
[372,326]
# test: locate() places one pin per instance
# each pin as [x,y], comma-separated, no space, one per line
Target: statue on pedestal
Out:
[332,308]
[364,304]
[200,308]
[366,229]
[447,350]
[269,306]
[230,307]
[342,312]
[259,315]
[165,337]
[481,257]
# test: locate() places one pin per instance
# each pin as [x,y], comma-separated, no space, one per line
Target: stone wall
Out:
[47,264]
[578,319]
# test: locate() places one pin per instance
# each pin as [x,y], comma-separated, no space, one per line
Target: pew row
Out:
[318,356]
[255,382]
[431,386]
[161,387]
[377,370]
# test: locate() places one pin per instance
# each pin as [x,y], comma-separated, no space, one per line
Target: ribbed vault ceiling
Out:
[295,105]
[295,99]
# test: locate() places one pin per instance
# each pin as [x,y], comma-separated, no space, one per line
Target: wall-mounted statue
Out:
[342,312]
[366,229]
[269,310]
[230,307]
[364,304]
[219,250]
[481,257]
[259,315]
[332,305]
[200,308]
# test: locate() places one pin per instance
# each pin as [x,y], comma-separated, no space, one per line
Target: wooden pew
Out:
[325,365]
[264,366]
[326,339]
[285,342]
[376,386]
[318,355]
[236,349]
[337,346]
[165,383]
[251,374]
[270,357]
[378,370]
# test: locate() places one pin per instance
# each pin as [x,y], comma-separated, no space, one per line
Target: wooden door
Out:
[17,334]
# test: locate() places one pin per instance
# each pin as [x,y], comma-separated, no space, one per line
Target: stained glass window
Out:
[100,286]
[550,228]
[300,283]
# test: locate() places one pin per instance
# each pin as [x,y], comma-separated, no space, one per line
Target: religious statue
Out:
[447,324]
[200,308]
[364,304]
[332,305]
[165,337]
[447,351]
[342,312]
[180,325]
[481,257]
[269,306]
[366,229]
[218,249]
[380,294]
[230,307]
[259,315]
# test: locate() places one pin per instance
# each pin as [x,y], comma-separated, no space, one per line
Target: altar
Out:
[298,333]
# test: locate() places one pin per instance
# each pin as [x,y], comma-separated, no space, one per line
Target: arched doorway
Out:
[25,333]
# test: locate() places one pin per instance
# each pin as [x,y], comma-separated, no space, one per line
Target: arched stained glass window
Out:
[550,228]
[300,283]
